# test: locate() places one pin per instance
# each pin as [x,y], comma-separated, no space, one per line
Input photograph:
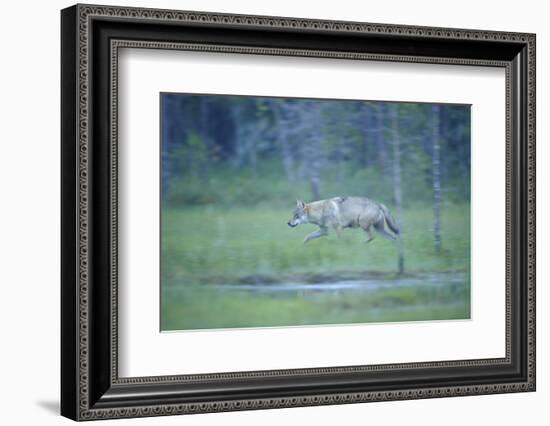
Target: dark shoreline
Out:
[317,278]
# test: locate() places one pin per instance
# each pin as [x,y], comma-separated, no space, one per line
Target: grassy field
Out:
[202,245]
[206,245]
[204,308]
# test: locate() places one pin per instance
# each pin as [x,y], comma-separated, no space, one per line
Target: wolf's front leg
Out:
[321,232]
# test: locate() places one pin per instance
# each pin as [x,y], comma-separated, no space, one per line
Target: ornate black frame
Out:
[91,37]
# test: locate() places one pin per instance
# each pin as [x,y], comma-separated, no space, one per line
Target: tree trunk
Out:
[380,142]
[282,139]
[168,137]
[308,126]
[463,162]
[396,174]
[252,139]
[436,175]
[315,153]
[205,136]
[366,122]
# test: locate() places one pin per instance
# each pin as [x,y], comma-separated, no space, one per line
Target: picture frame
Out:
[90,384]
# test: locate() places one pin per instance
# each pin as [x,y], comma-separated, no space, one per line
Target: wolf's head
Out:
[299,214]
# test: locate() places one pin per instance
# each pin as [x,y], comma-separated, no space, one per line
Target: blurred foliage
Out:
[224,187]
[241,150]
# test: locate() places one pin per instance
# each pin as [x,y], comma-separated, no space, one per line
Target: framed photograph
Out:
[263,212]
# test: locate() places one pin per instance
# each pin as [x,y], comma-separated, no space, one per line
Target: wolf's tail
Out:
[389,219]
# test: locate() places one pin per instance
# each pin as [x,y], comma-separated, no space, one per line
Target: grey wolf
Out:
[339,213]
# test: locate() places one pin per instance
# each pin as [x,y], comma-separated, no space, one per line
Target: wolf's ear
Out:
[300,203]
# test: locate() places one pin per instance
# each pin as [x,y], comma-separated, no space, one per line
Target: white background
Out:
[29,225]
[146,352]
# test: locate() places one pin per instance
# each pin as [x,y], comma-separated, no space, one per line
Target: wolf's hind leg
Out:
[321,232]
[379,226]
[368,230]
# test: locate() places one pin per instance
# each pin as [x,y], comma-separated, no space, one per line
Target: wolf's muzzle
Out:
[291,225]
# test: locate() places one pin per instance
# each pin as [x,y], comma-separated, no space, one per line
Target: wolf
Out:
[339,213]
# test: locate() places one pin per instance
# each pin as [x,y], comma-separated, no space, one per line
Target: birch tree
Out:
[281,113]
[313,155]
[436,176]
[396,175]
[205,134]
[367,130]
[380,142]
[307,128]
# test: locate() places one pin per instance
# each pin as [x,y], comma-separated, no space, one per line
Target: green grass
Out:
[213,245]
[203,308]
